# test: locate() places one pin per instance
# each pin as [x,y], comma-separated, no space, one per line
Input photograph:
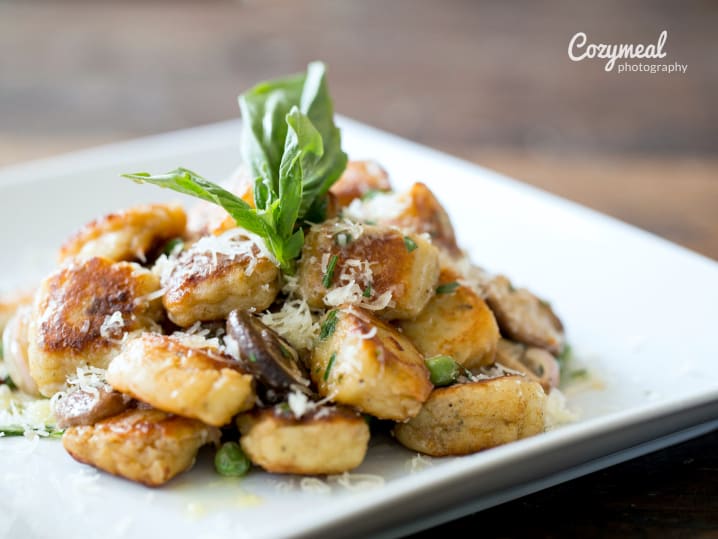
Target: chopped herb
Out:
[8,382]
[329,366]
[371,193]
[329,325]
[410,244]
[252,357]
[447,288]
[578,374]
[284,351]
[367,291]
[284,407]
[565,356]
[369,221]
[329,275]
[12,430]
[175,245]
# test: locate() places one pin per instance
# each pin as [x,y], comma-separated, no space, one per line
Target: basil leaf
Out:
[317,105]
[189,183]
[266,111]
[302,149]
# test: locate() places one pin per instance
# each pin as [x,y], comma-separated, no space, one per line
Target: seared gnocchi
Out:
[147,446]
[176,378]
[363,362]
[466,418]
[81,314]
[321,441]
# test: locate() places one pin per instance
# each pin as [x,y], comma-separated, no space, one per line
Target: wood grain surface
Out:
[489,82]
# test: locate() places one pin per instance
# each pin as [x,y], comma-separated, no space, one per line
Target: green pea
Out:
[443,370]
[230,460]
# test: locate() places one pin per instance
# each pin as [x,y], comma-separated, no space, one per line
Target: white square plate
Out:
[640,311]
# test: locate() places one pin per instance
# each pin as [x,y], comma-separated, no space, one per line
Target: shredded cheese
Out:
[21,412]
[353,281]
[299,404]
[556,410]
[379,207]
[112,326]
[314,485]
[419,462]
[295,322]
[358,481]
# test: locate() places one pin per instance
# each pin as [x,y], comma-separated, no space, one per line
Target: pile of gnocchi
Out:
[162,331]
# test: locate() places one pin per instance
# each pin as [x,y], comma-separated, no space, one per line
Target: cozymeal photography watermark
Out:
[579,48]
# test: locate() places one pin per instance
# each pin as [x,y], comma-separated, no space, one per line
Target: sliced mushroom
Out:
[535,363]
[264,354]
[523,317]
[83,407]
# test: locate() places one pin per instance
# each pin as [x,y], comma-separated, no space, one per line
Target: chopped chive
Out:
[252,357]
[367,291]
[369,221]
[172,246]
[329,275]
[578,374]
[410,244]
[565,354]
[329,325]
[447,288]
[371,193]
[329,366]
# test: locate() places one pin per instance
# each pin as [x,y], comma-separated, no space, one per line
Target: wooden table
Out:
[490,82]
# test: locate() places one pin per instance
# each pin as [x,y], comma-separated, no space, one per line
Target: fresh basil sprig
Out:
[293,150]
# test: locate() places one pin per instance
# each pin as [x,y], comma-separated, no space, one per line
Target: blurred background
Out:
[490,82]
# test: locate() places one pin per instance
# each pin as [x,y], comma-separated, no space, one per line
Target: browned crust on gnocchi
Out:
[466,418]
[143,445]
[127,235]
[325,441]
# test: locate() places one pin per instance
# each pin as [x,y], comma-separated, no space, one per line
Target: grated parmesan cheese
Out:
[355,276]
[419,462]
[379,207]
[20,412]
[112,326]
[358,481]
[294,322]
[299,404]
[314,485]
[556,410]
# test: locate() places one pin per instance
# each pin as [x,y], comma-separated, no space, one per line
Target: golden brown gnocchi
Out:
[147,446]
[322,441]
[380,268]
[217,276]
[363,362]
[127,235]
[466,418]
[176,378]
[456,322]
[81,313]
